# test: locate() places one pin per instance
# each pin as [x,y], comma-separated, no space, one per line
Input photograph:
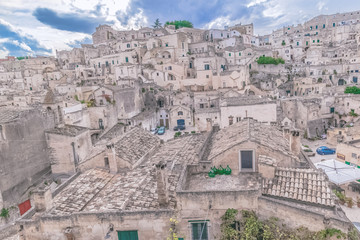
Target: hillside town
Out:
[174,132]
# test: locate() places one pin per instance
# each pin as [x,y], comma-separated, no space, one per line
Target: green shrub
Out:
[352,113]
[76,97]
[177,134]
[4,213]
[180,23]
[270,60]
[353,90]
[192,132]
[143,90]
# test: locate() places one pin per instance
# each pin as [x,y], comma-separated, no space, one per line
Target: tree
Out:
[180,23]
[157,24]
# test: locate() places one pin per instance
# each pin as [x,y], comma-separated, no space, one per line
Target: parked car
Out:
[323,150]
[161,131]
[179,127]
[154,130]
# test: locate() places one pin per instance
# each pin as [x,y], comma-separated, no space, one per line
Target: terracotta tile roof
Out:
[306,185]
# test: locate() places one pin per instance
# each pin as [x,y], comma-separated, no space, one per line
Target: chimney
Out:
[111,155]
[42,199]
[161,180]
[295,142]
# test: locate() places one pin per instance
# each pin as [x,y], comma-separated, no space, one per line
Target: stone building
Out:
[68,146]
[23,151]
[172,182]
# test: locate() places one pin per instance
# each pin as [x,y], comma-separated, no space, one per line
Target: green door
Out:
[128,235]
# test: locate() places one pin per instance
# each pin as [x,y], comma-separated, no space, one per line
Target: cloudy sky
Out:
[40,27]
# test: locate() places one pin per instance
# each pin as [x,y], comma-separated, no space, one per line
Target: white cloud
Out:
[255,2]
[19,14]
[320,5]
[138,20]
[53,38]
[218,23]
[4,52]
[25,47]
[273,9]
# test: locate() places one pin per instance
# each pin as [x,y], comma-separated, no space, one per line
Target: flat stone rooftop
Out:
[68,130]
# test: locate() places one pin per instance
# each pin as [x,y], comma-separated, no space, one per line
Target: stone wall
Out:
[23,154]
[231,156]
[95,226]
[297,215]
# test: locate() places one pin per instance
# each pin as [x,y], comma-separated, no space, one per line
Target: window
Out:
[354,155]
[201,105]
[199,230]
[246,160]
[323,25]
[166,44]
[207,76]
[106,162]
[128,45]
[231,120]
[180,113]
[229,54]
[239,54]
[170,68]
[310,27]
[128,235]
[297,43]
[190,65]
[238,119]
[101,102]
[207,67]
[316,26]
[126,59]
[333,24]
[307,43]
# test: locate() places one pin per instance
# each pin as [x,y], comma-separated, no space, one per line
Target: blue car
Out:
[323,150]
[161,131]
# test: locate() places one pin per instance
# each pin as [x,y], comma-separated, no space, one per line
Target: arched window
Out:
[180,113]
